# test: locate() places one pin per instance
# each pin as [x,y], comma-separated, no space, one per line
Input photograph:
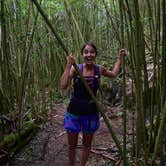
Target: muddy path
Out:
[49,146]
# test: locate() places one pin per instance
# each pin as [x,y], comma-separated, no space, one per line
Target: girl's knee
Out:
[72,146]
[87,140]
[87,144]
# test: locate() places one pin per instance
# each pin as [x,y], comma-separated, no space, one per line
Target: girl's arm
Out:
[68,73]
[115,70]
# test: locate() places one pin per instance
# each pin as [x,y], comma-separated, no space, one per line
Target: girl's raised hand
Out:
[122,53]
[70,60]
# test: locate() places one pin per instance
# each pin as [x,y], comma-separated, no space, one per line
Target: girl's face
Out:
[89,55]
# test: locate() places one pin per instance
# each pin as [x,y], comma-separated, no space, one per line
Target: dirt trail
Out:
[49,146]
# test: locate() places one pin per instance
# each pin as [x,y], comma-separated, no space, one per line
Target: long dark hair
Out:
[90,44]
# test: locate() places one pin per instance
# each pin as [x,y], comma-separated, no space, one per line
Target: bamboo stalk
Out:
[125,162]
[50,26]
[163,70]
[160,132]
[110,17]
[24,74]
[74,19]
[7,81]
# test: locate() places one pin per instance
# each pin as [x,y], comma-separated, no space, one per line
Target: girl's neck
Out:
[88,69]
[88,66]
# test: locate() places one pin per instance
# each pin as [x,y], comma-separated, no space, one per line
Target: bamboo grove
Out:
[32,59]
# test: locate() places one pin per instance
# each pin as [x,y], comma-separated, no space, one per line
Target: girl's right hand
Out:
[70,60]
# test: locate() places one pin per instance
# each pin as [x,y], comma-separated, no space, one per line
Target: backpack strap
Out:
[97,76]
[80,66]
[97,71]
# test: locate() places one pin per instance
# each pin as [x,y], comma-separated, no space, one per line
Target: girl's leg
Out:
[87,141]
[72,141]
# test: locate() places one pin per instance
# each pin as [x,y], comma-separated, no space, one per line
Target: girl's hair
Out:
[90,44]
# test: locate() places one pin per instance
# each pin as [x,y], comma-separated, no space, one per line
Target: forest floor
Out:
[49,146]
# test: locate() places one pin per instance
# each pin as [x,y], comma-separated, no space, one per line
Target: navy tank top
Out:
[81,103]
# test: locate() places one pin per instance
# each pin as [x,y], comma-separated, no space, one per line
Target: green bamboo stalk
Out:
[50,26]
[114,28]
[139,82]
[160,132]
[137,50]
[74,28]
[155,41]
[131,65]
[3,44]
[6,80]
[161,81]
[68,8]
[24,74]
[83,81]
[121,7]
[150,109]
[156,84]
[163,70]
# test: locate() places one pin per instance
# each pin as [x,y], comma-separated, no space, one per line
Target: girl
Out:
[82,114]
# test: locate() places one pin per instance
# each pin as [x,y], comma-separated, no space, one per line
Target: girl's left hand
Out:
[122,53]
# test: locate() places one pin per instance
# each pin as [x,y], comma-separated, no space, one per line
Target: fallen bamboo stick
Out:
[103,155]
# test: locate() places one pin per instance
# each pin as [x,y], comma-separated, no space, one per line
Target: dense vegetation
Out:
[32,59]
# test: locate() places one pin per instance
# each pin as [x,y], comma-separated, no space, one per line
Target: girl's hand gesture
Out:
[122,53]
[70,60]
